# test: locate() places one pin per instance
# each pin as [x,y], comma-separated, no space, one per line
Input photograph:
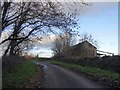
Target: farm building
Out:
[83,50]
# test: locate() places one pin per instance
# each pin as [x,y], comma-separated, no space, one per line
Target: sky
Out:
[102,23]
[66,0]
[100,20]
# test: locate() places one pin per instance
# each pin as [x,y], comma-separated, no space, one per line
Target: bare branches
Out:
[89,38]
[62,44]
[31,18]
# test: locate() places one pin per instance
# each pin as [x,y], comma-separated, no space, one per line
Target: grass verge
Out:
[106,75]
[21,74]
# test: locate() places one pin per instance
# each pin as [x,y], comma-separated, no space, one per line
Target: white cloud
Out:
[94,8]
[97,8]
[46,41]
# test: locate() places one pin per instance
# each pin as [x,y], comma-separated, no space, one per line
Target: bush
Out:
[107,62]
[16,71]
[9,63]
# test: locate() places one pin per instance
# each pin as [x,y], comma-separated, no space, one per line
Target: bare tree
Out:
[0,21]
[62,44]
[32,19]
[89,38]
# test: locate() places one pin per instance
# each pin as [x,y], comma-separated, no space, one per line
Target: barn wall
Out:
[84,50]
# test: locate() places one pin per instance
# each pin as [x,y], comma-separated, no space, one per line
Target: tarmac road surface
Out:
[59,77]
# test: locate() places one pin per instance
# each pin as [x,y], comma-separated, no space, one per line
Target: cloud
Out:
[42,52]
[94,8]
[46,42]
[97,8]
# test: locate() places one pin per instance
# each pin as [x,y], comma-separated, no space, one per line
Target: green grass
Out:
[90,70]
[22,73]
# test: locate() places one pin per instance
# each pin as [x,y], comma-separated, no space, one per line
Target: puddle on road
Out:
[41,64]
[44,66]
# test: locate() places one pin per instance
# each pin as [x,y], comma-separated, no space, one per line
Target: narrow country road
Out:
[59,77]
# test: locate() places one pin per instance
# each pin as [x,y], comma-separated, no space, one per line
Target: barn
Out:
[83,50]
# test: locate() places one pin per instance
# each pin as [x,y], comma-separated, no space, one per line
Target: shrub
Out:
[9,63]
[107,62]
[16,71]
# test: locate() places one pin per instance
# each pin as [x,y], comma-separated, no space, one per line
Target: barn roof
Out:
[79,44]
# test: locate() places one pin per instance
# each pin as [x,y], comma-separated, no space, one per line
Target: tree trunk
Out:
[12,47]
[0,31]
[7,50]
[0,21]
